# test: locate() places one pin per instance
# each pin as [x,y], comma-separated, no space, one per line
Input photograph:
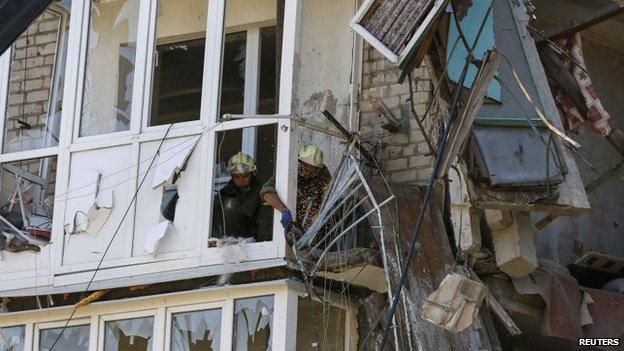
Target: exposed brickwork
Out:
[404,154]
[30,87]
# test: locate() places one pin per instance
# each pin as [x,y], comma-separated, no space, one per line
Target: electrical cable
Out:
[441,147]
[110,243]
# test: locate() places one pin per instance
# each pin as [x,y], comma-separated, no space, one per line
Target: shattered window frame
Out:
[43,149]
[210,306]
[39,328]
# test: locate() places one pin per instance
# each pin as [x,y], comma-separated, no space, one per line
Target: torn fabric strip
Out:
[596,113]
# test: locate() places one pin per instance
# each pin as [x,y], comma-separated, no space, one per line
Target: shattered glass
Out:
[73,338]
[196,331]
[27,196]
[109,71]
[129,334]
[36,77]
[12,338]
[253,321]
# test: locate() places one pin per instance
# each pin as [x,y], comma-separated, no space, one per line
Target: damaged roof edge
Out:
[150,278]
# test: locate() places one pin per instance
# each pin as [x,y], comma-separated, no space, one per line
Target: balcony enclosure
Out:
[132,102]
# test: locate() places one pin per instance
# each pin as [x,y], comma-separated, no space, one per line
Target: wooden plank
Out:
[596,17]
[498,310]
[462,127]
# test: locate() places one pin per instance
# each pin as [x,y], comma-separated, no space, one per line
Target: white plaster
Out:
[171,161]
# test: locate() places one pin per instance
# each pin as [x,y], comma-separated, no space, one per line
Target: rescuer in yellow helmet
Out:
[239,209]
[313,180]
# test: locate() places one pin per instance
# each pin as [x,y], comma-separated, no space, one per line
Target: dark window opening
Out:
[177,88]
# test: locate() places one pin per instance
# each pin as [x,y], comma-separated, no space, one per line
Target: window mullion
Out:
[212,62]
[145,34]
[285,160]
[252,81]
[227,324]
[5,67]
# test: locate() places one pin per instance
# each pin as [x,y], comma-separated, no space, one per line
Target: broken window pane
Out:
[319,327]
[233,73]
[196,331]
[239,210]
[27,199]
[253,322]
[179,61]
[129,334]
[36,77]
[109,72]
[72,339]
[12,338]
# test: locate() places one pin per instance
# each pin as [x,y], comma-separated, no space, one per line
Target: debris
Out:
[585,316]
[172,161]
[91,298]
[601,262]
[616,285]
[512,234]
[394,124]
[139,287]
[455,304]
[169,201]
[11,242]
[397,28]
[597,16]
[562,297]
[461,128]
[498,310]
[233,251]
[466,219]
[156,233]
[88,207]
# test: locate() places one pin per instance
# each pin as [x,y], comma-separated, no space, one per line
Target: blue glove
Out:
[286,218]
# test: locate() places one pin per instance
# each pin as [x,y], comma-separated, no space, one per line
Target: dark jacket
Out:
[242,213]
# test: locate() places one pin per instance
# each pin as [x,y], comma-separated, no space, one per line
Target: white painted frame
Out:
[38,327]
[285,299]
[398,58]
[42,275]
[70,142]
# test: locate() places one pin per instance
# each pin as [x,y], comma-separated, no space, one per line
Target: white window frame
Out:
[42,274]
[285,299]
[140,132]
[220,305]
[400,57]
[38,327]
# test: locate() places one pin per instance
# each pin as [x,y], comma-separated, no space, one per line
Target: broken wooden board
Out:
[428,267]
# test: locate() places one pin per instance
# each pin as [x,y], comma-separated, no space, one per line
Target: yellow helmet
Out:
[241,163]
[312,155]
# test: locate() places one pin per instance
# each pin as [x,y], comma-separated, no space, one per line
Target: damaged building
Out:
[471,200]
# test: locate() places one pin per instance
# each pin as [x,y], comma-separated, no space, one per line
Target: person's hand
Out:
[286,218]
